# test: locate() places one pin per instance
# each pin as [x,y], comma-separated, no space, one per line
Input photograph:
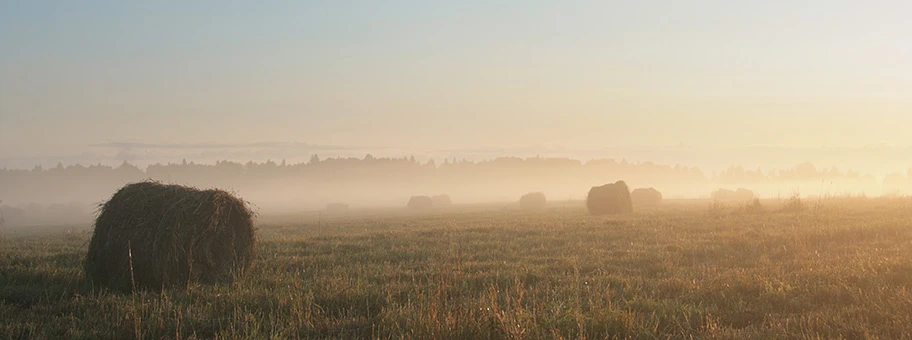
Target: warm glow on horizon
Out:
[429,78]
[414,169]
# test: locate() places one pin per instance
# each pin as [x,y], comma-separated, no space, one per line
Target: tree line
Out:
[76,182]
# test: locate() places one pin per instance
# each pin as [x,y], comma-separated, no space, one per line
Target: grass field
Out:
[834,269]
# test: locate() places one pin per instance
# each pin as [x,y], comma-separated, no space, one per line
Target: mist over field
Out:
[65,194]
[293,177]
[408,169]
[543,97]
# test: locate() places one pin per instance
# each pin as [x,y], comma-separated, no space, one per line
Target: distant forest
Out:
[76,189]
[77,182]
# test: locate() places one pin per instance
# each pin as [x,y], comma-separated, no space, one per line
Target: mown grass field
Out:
[836,269]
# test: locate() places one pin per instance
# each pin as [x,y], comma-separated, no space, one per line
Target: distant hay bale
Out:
[741,195]
[612,198]
[12,216]
[160,236]
[34,210]
[722,195]
[533,201]
[420,202]
[441,201]
[337,207]
[645,196]
[745,194]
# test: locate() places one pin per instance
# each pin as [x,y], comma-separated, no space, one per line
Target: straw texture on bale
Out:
[646,196]
[533,201]
[442,200]
[420,202]
[154,236]
[612,198]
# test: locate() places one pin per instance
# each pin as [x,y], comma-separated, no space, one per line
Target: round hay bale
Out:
[533,201]
[441,201]
[420,202]
[336,207]
[12,215]
[722,194]
[646,196]
[155,236]
[743,194]
[612,198]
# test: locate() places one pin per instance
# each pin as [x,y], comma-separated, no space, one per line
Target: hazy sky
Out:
[425,75]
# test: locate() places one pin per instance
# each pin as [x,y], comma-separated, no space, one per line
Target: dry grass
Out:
[793,204]
[668,272]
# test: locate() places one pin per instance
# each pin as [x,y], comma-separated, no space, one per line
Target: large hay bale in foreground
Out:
[646,196]
[420,202]
[441,201]
[159,236]
[612,198]
[533,201]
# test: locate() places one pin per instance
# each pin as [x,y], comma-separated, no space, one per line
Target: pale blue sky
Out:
[416,76]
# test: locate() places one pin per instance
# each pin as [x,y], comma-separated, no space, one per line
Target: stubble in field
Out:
[840,270]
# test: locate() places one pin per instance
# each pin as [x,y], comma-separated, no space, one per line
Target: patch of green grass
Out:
[842,270]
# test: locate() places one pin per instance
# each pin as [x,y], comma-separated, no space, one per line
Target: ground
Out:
[833,268]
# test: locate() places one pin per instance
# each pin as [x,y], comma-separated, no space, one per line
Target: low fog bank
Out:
[35,214]
[875,159]
[280,197]
[270,198]
[71,195]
